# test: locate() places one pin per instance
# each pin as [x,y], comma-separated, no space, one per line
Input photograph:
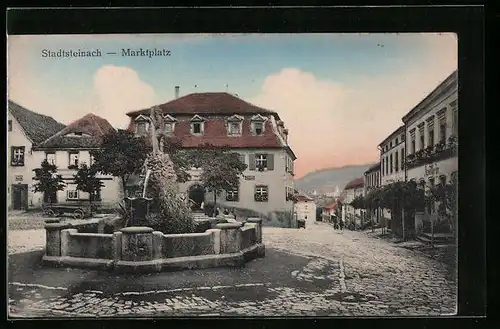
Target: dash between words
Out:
[124,52]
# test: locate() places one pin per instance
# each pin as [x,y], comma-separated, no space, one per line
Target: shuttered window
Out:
[261,161]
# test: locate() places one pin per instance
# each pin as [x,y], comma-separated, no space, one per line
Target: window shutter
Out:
[270,161]
[251,162]
[11,154]
[22,157]
[291,166]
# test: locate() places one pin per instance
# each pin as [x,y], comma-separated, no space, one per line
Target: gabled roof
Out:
[331,206]
[208,103]
[301,196]
[93,126]
[38,127]
[358,182]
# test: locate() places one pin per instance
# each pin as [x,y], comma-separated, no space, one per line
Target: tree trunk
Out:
[90,203]
[215,201]
[403,223]
[124,188]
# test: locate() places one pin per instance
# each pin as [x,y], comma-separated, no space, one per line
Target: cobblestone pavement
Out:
[316,271]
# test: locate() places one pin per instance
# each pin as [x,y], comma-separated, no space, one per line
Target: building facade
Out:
[432,134]
[352,190]
[257,134]
[305,208]
[373,180]
[70,148]
[432,140]
[26,129]
[392,157]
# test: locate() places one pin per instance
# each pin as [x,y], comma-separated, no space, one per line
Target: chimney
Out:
[176,92]
[285,132]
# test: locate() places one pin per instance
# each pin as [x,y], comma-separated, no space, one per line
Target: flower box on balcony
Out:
[73,166]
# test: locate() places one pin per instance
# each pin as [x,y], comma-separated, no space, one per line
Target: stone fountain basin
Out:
[141,249]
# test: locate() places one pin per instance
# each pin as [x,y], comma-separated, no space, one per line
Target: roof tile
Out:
[38,127]
[91,125]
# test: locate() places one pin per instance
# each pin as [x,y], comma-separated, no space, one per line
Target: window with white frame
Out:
[261,161]
[234,128]
[196,127]
[169,127]
[73,159]
[396,161]
[50,157]
[261,193]
[422,136]
[454,112]
[72,194]
[232,195]
[258,128]
[141,128]
[17,156]
[10,125]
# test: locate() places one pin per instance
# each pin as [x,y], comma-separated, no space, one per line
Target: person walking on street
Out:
[335,222]
[341,224]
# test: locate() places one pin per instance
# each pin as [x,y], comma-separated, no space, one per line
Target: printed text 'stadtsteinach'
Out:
[124,52]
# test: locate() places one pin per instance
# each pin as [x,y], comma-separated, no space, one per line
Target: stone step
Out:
[427,238]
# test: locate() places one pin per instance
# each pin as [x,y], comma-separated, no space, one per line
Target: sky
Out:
[339,95]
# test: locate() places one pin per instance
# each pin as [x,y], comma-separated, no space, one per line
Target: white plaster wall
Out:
[25,173]
[276,180]
[306,208]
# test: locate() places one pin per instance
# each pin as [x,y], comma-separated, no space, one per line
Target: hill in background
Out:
[325,180]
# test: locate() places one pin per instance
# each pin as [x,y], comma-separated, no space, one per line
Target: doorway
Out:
[20,196]
[197,195]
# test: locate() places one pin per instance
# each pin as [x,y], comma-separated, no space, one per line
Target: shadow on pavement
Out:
[274,269]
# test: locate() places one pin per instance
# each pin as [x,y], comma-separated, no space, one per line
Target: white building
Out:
[26,129]
[432,134]
[432,140]
[373,180]
[392,157]
[305,208]
[352,190]
[70,148]
[257,134]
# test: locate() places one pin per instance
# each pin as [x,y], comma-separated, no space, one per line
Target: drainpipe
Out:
[406,179]
[380,185]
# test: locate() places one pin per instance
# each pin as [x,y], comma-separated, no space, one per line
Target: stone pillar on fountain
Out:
[139,208]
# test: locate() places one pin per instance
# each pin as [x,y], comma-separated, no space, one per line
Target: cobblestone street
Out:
[316,271]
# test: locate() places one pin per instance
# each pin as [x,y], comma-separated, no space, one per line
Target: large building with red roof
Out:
[257,134]
[71,147]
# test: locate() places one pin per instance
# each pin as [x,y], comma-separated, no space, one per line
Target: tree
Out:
[221,169]
[48,180]
[121,155]
[86,181]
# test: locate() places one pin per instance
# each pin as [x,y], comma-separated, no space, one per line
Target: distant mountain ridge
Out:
[325,180]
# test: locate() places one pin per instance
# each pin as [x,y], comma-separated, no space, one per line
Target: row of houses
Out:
[422,148]
[221,119]
[425,147]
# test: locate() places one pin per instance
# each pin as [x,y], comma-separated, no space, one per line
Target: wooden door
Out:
[19,196]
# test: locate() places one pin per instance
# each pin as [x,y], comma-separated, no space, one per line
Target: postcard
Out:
[220,175]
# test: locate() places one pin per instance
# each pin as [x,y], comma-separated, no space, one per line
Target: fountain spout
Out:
[146,179]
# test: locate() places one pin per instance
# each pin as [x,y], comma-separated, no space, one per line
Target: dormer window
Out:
[257,125]
[141,125]
[234,125]
[197,125]
[169,124]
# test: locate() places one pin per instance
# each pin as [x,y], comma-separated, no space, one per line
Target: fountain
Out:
[158,173]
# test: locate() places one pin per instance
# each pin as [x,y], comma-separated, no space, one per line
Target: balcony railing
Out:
[432,154]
